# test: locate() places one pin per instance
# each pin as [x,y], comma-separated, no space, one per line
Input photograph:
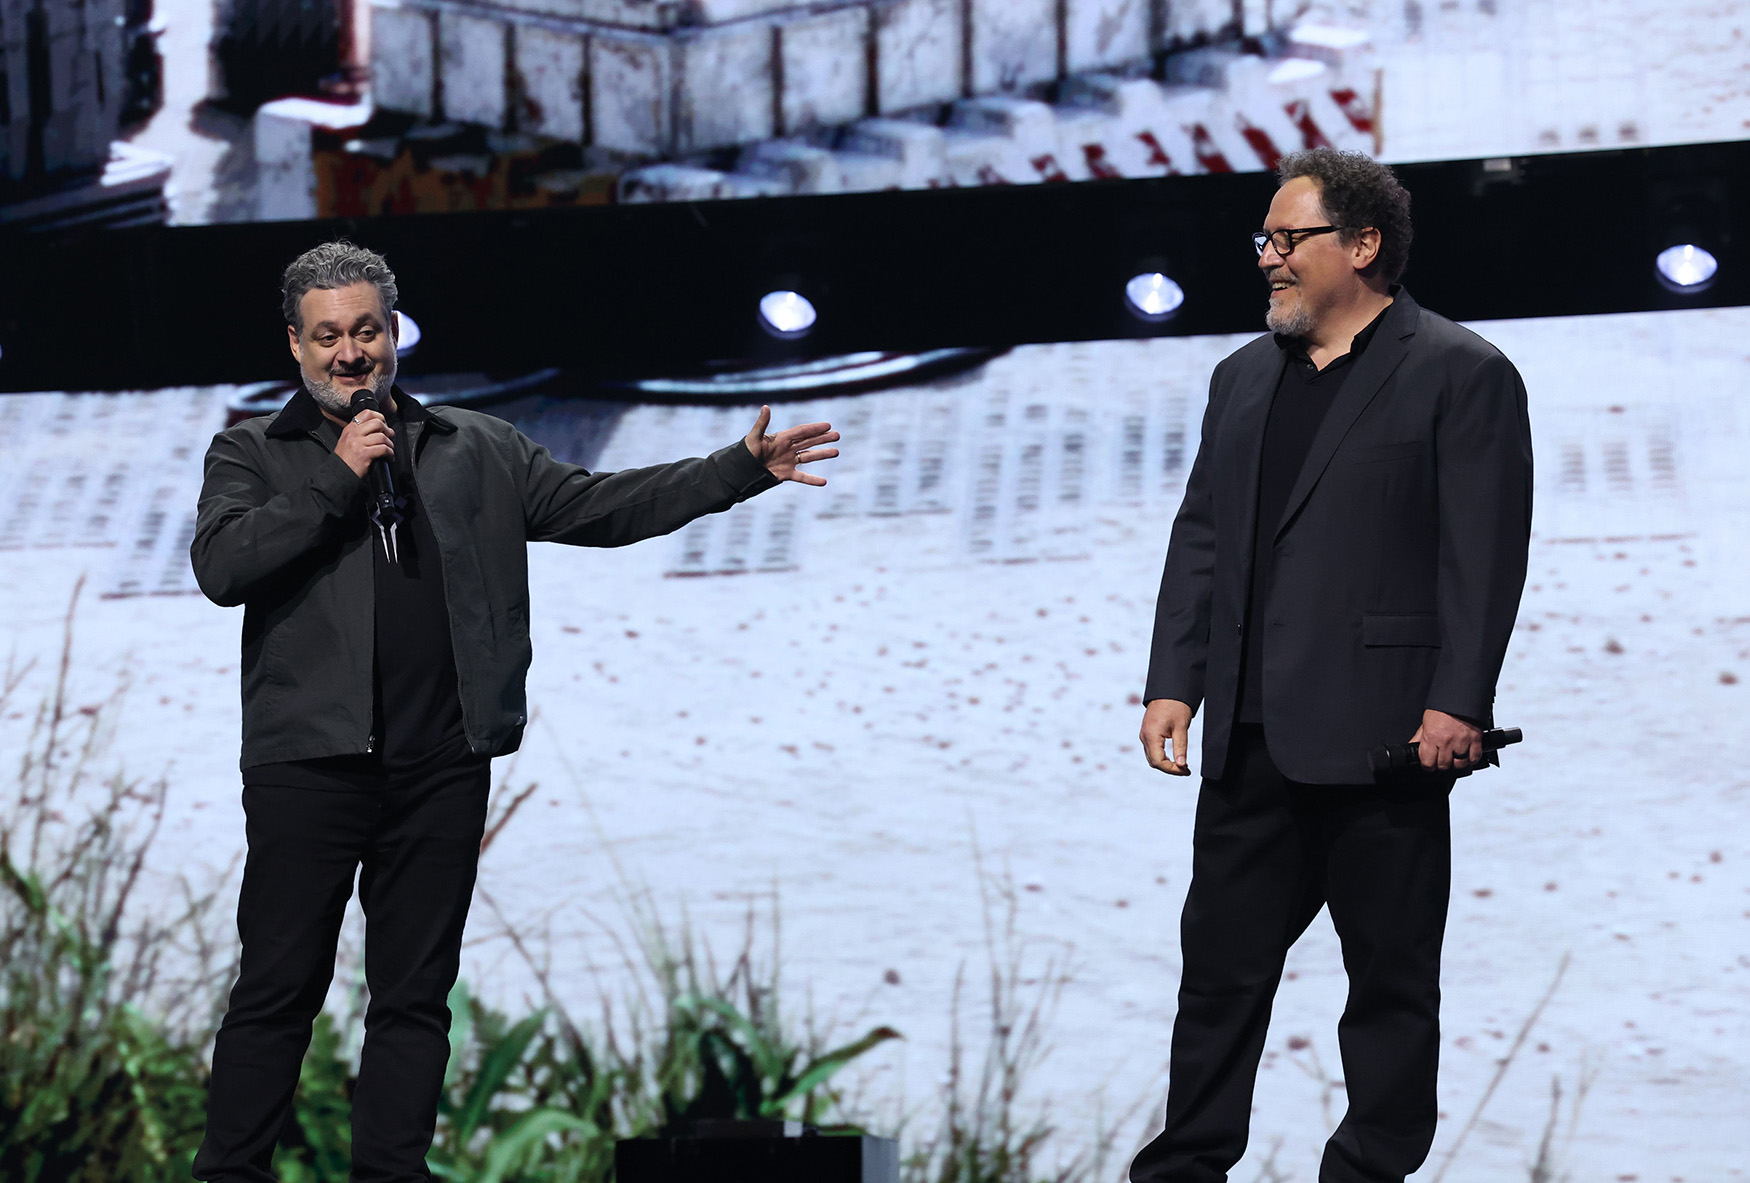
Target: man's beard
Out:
[1297,322]
[336,401]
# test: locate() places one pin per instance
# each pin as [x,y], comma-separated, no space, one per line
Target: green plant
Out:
[542,1099]
[726,1050]
[101,1073]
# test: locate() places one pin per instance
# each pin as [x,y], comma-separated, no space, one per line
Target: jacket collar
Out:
[1386,349]
[1296,346]
[302,414]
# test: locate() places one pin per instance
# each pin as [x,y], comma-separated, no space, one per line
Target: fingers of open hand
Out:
[800,445]
[809,435]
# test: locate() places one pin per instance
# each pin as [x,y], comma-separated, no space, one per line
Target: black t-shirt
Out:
[416,704]
[418,708]
[1302,400]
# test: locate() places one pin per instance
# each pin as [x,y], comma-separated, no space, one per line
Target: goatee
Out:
[1295,322]
[331,398]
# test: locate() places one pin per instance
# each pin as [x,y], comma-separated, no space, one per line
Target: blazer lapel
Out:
[1251,411]
[1388,348]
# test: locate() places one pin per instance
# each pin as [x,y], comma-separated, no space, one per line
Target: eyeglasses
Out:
[1286,240]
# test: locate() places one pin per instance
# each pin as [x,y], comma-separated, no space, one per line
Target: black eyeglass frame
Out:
[1295,235]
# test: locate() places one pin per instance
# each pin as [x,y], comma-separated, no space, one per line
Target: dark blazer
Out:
[1399,560]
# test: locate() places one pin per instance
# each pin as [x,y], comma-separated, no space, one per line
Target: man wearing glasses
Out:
[1344,573]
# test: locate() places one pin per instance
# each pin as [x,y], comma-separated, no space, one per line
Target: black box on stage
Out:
[757,1152]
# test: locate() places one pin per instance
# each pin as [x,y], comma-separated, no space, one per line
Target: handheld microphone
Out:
[1398,757]
[385,508]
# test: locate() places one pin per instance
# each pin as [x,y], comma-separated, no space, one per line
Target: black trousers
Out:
[417,840]
[1267,853]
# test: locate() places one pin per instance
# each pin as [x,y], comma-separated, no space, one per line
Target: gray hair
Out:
[1358,191]
[336,264]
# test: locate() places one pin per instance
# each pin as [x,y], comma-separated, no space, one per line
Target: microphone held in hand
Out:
[385,508]
[1401,757]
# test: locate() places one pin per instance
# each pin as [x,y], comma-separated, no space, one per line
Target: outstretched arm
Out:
[566,503]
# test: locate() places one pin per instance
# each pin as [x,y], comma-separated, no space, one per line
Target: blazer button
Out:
[1239,630]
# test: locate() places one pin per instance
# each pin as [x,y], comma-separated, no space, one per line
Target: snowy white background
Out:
[947,651]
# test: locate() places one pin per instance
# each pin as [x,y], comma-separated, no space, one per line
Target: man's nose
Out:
[1269,259]
[348,353]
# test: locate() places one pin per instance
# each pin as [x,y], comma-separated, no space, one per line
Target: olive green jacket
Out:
[282,530]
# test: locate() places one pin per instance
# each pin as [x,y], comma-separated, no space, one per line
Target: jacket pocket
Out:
[1379,629]
[1382,453]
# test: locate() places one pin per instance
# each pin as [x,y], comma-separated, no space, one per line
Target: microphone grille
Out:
[365,400]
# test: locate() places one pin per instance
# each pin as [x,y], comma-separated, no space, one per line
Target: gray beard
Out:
[331,398]
[1290,324]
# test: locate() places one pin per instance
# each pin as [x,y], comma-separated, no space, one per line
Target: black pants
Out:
[418,842]
[1267,853]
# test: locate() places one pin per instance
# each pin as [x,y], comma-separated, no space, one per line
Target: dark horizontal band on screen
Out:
[644,290]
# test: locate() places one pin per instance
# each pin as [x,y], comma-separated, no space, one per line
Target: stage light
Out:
[1153,296]
[407,334]
[787,313]
[1687,267]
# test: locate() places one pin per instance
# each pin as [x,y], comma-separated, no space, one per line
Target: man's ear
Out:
[1366,249]
[297,346]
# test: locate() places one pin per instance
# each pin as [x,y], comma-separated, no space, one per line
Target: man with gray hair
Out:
[382,670]
[1344,574]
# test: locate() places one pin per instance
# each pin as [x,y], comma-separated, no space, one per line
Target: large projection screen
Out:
[884,700]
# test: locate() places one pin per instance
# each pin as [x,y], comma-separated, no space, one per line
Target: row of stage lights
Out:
[1151,296]
[1685,268]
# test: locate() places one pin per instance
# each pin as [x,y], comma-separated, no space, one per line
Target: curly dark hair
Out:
[332,265]
[1357,192]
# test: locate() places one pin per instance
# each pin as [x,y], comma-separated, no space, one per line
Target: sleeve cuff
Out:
[1460,701]
[742,471]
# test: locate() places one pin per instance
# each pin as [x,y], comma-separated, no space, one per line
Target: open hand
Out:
[794,446]
[1162,720]
[1447,743]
